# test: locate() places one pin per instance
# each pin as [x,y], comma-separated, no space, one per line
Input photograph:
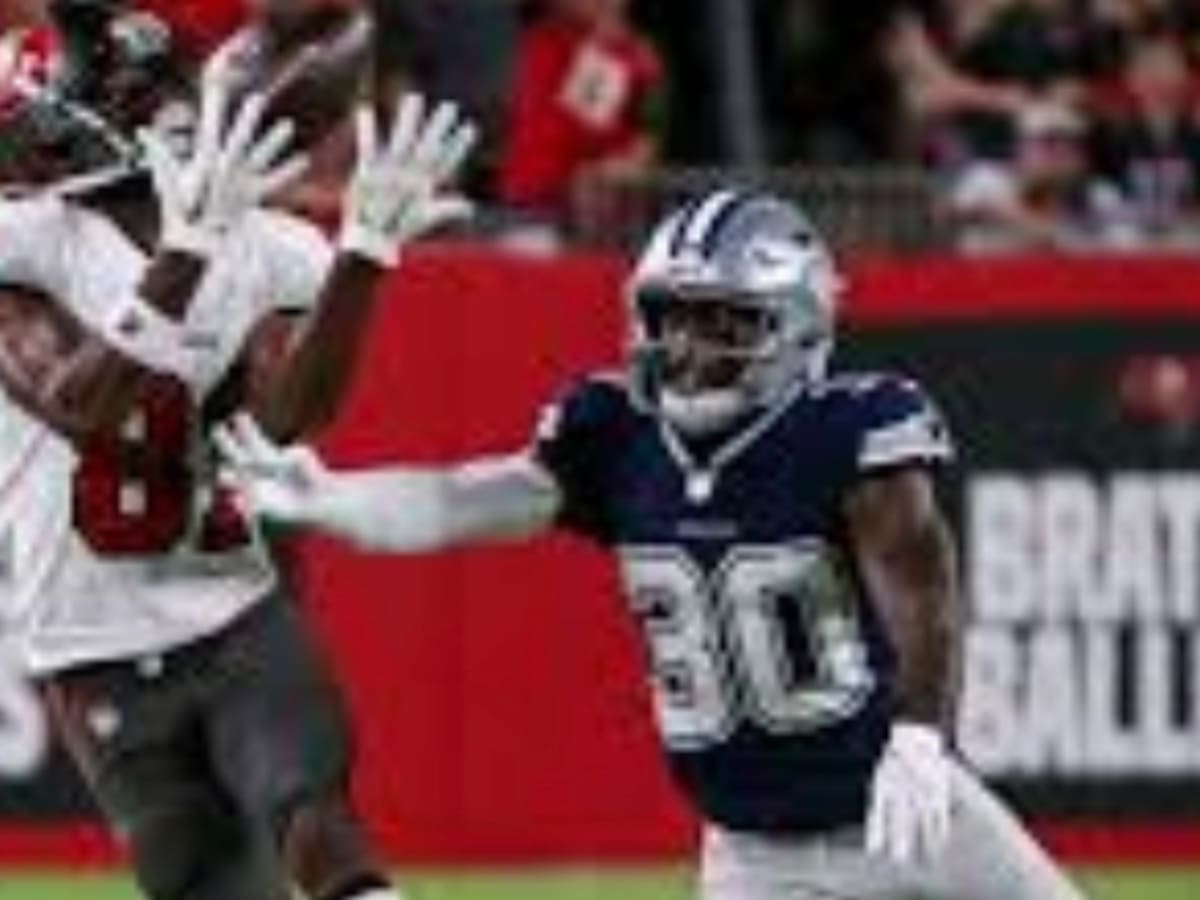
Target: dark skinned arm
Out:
[907,558]
[96,384]
[304,394]
[392,197]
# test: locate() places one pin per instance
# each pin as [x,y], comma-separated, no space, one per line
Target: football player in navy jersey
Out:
[781,548]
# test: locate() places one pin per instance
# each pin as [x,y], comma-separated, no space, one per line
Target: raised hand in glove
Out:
[397,191]
[204,191]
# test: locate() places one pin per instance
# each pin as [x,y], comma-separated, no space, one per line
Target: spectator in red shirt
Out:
[584,96]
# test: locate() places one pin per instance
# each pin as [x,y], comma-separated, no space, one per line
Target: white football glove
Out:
[203,192]
[908,820]
[395,193]
[287,484]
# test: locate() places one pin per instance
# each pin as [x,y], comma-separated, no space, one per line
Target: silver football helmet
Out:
[731,304]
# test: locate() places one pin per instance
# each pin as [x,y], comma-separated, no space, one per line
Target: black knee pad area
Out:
[193,856]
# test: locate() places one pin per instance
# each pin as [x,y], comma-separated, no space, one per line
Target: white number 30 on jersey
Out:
[719,647]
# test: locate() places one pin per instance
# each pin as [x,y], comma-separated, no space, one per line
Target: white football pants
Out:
[988,856]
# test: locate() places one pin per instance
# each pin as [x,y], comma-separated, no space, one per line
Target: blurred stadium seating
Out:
[888,209]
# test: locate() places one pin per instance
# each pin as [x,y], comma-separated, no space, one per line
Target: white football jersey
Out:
[120,546]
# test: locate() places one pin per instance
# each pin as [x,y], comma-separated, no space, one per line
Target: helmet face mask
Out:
[50,143]
[732,305]
[706,343]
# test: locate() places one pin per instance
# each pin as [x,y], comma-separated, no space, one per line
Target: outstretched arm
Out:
[400,509]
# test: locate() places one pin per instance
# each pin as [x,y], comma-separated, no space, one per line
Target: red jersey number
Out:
[135,490]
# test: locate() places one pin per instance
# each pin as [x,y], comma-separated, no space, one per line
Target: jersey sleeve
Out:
[899,425]
[573,442]
[298,259]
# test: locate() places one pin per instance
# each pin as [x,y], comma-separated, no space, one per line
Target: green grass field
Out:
[585,884]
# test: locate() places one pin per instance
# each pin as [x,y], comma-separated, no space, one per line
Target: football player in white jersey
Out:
[782,551]
[142,291]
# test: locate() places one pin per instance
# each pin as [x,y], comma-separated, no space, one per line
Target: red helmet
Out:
[73,96]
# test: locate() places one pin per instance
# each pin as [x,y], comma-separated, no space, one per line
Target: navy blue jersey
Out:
[772,677]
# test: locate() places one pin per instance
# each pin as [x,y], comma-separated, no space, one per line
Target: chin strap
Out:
[704,412]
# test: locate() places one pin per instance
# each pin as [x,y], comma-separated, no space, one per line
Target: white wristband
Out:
[148,337]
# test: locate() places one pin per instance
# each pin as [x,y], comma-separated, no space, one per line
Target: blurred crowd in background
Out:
[994,125]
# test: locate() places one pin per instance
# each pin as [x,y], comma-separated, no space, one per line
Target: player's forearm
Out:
[396,510]
[96,387]
[410,510]
[305,395]
[919,610]
[907,561]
